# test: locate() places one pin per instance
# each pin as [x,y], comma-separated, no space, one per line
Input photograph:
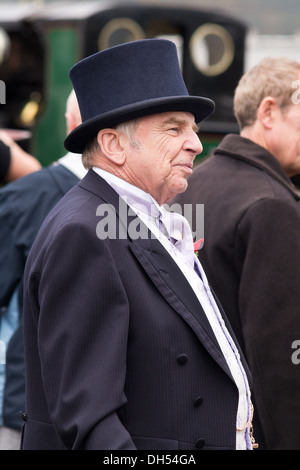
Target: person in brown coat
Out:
[251,251]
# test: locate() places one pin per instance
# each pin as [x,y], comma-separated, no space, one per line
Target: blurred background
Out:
[217,40]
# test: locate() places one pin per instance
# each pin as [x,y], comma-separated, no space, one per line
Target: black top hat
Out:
[129,81]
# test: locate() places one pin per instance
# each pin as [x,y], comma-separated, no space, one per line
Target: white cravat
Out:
[175,234]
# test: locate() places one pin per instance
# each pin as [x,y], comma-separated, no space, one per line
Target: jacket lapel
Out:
[174,287]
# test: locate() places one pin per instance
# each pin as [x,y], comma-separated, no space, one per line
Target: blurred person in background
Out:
[251,250]
[23,206]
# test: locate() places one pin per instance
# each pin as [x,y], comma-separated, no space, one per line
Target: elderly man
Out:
[251,251]
[125,344]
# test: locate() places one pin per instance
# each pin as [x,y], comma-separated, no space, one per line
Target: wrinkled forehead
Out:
[179,118]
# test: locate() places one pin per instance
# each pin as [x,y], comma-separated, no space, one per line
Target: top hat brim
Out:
[200,107]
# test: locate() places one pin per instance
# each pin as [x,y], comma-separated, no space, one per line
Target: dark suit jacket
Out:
[119,354]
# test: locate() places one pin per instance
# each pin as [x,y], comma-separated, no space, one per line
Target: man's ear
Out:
[267,111]
[111,145]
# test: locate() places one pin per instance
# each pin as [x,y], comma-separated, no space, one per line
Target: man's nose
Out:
[193,144]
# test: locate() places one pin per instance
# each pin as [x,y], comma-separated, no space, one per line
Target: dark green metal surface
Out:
[50,131]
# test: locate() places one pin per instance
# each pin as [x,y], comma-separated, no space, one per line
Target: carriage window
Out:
[212,49]
[118,31]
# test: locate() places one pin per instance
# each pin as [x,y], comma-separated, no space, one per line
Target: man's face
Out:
[162,155]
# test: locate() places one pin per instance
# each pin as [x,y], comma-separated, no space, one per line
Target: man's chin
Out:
[179,190]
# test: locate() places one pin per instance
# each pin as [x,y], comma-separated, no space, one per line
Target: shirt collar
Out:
[135,197]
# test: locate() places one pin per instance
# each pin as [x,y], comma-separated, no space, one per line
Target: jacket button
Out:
[182,359]
[198,401]
[200,443]
[23,415]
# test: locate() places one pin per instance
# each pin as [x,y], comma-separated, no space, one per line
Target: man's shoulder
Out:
[78,207]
